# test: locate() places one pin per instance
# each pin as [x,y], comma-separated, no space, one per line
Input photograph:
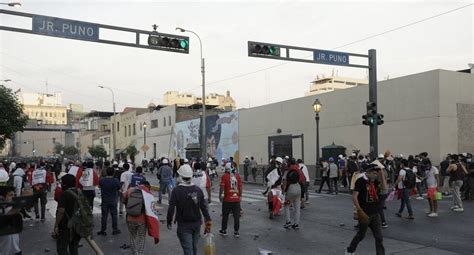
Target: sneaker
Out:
[116,232]
[287,225]
[102,233]
[459,209]
[42,219]
[399,215]
[454,207]
[236,234]
[433,214]
[295,226]
[348,253]
[384,225]
[306,202]
[223,232]
[120,214]
[410,217]
[419,198]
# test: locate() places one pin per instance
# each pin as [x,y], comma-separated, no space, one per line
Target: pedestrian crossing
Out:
[253,196]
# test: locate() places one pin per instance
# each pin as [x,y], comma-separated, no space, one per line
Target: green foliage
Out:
[131,151]
[71,151]
[98,151]
[12,118]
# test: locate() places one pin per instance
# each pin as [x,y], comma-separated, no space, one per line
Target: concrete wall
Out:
[420,115]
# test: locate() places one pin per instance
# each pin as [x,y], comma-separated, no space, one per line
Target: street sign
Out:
[331,57]
[65,28]
[145,147]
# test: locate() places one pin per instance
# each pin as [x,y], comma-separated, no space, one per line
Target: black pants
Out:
[375,224]
[246,173]
[90,195]
[107,207]
[304,190]
[233,207]
[67,242]
[254,174]
[325,179]
[41,196]
[334,184]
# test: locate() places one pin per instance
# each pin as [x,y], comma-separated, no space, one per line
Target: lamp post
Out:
[203,118]
[12,4]
[113,127]
[317,109]
[144,138]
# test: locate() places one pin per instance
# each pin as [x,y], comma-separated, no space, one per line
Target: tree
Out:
[98,151]
[58,148]
[70,151]
[12,118]
[131,151]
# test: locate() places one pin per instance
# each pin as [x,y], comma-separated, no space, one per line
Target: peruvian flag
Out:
[152,222]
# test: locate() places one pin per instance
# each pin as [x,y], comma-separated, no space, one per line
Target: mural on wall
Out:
[222,137]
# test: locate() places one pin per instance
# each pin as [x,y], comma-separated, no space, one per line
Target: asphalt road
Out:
[326,228]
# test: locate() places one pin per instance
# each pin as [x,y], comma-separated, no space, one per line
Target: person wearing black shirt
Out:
[67,242]
[109,190]
[369,189]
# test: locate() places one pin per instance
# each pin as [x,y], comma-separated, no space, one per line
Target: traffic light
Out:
[262,49]
[156,40]
[380,119]
[368,120]
[371,109]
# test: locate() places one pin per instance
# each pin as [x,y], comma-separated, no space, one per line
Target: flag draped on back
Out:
[152,222]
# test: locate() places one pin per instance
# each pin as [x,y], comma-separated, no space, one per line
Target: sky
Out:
[140,76]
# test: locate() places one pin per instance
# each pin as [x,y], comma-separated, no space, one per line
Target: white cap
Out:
[228,166]
[209,159]
[278,159]
[464,154]
[185,171]
[381,155]
[186,160]
[129,161]
[287,157]
[246,156]
[4,176]
[115,163]
[340,156]
[164,161]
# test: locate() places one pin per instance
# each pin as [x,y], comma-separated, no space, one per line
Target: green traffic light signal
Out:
[183,44]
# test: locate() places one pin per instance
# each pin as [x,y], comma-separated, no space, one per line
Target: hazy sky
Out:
[140,76]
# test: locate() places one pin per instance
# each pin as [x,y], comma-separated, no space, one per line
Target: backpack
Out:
[191,211]
[293,177]
[136,180]
[135,203]
[409,181]
[81,220]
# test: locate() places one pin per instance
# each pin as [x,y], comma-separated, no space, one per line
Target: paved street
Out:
[326,228]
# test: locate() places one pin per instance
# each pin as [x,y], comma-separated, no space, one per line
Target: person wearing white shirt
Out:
[304,190]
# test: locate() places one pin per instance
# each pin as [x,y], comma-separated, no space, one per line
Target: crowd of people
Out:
[124,189]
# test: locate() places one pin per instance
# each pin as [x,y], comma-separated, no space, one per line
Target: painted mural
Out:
[222,137]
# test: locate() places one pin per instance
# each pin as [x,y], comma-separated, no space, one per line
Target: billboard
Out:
[222,135]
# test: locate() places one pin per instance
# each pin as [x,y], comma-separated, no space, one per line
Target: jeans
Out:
[233,207]
[188,236]
[246,172]
[41,195]
[325,179]
[406,200]
[67,242]
[254,174]
[457,193]
[110,206]
[375,224]
[334,182]
[89,194]
[164,188]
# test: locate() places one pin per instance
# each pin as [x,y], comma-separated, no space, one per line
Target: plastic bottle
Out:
[210,246]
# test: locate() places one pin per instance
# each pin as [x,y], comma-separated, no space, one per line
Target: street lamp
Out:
[12,4]
[203,118]
[113,127]
[144,139]
[317,108]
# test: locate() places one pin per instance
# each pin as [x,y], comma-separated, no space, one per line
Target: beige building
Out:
[45,107]
[126,127]
[224,102]
[327,84]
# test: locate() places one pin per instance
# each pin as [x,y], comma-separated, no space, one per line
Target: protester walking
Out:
[253,168]
[305,186]
[333,176]
[292,181]
[165,175]
[186,205]
[325,176]
[406,181]
[38,182]
[109,190]
[432,181]
[457,173]
[87,180]
[230,194]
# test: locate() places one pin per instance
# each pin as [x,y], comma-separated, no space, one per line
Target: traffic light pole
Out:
[373,98]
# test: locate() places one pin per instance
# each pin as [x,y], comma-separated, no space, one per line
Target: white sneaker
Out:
[419,198]
[433,215]
[454,207]
[459,209]
[348,253]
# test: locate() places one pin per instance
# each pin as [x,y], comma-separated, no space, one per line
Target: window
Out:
[41,114]
[63,115]
[36,114]
[154,123]
[101,141]
[118,126]
[106,140]
[134,130]
[125,131]
[129,130]
[141,127]
[164,121]
[351,83]
[50,114]
[338,81]
[169,120]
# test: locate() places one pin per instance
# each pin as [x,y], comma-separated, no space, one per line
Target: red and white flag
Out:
[151,212]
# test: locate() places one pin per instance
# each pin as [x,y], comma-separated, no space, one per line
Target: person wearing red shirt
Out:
[87,180]
[230,194]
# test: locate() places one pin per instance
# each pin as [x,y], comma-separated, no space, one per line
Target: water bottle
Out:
[210,246]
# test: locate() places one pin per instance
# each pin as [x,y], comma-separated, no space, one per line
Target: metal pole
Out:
[317,146]
[204,142]
[33,142]
[373,98]
[144,141]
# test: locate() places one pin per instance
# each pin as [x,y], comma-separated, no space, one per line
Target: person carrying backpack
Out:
[406,181]
[187,200]
[141,215]
[292,181]
[73,218]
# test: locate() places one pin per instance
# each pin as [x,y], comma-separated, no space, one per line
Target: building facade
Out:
[223,102]
[328,84]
